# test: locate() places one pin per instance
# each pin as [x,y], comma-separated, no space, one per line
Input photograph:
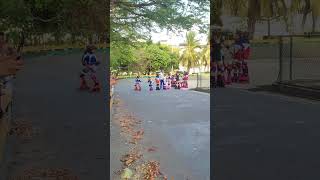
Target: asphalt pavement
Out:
[177,122]
[262,136]
[68,125]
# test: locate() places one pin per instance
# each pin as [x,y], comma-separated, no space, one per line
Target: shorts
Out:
[89,70]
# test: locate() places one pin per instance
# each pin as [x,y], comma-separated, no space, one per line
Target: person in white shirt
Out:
[161,77]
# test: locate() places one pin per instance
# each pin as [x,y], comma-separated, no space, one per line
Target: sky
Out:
[178,38]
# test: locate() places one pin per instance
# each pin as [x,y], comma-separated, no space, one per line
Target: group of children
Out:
[164,82]
[236,70]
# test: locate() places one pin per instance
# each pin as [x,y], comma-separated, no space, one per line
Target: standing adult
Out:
[217,58]
[161,77]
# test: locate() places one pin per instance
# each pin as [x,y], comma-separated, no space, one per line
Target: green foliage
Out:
[190,57]
[121,56]
[132,20]
[143,57]
[80,19]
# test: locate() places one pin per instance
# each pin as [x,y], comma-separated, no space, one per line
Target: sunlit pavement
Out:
[177,123]
[265,136]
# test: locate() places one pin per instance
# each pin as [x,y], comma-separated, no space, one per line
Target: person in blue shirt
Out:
[137,84]
[90,63]
[150,84]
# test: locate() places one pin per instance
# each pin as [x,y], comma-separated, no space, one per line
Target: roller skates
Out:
[83,83]
[213,71]
[96,88]
[244,78]
[137,87]
[213,82]
[228,74]
[178,85]
[158,87]
[236,72]
[164,86]
[220,76]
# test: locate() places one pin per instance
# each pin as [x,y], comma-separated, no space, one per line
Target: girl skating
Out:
[90,63]
[137,86]
[150,84]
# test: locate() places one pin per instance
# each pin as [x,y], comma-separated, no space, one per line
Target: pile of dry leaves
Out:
[132,157]
[149,171]
[137,136]
[22,129]
[134,165]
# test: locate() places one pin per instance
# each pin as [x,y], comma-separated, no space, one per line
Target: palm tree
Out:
[189,57]
[205,54]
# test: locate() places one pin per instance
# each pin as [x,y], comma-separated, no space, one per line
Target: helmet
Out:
[90,47]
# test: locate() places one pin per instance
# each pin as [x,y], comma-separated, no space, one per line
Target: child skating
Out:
[185,80]
[90,63]
[157,82]
[150,84]
[137,86]
[168,81]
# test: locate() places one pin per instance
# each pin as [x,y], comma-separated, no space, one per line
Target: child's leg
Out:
[161,84]
[83,83]
[94,78]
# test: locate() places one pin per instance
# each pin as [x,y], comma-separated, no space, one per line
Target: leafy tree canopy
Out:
[134,19]
[83,18]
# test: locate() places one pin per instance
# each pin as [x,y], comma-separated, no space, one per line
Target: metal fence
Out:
[286,58]
[299,58]
[199,80]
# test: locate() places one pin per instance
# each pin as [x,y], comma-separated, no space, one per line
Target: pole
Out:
[197,80]
[280,58]
[291,57]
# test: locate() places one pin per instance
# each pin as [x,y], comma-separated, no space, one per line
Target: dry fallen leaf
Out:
[152,149]
[151,170]
[137,136]
[129,159]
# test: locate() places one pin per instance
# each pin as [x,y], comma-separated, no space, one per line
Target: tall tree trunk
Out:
[251,26]
[253,12]
[314,21]
[286,15]
[215,13]
[269,27]
[306,11]
[43,41]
